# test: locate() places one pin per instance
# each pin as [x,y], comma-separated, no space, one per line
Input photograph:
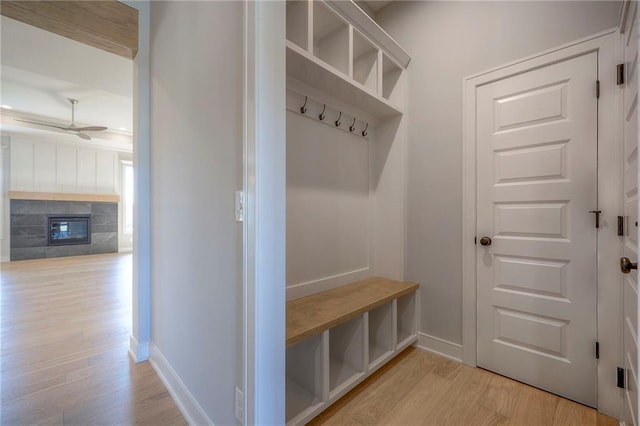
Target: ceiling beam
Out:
[107,25]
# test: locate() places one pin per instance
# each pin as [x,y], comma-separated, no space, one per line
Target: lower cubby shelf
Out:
[337,338]
[381,343]
[406,318]
[346,351]
[304,378]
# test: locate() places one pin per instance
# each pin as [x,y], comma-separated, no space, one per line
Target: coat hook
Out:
[303,108]
[338,120]
[322,116]
[364,132]
[353,125]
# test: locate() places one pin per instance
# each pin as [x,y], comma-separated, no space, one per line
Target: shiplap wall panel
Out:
[51,167]
[21,157]
[67,170]
[86,170]
[44,164]
[105,172]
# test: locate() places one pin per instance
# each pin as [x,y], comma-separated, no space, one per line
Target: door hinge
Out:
[597,89]
[597,213]
[620,378]
[620,74]
[620,226]
[597,350]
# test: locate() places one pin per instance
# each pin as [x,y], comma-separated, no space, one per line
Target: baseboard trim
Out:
[191,410]
[439,346]
[138,351]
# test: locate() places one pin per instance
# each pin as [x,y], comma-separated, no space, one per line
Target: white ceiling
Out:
[40,70]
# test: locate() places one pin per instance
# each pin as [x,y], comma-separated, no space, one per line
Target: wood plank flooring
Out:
[65,326]
[420,388]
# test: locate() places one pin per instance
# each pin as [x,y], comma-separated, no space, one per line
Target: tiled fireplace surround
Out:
[29,228]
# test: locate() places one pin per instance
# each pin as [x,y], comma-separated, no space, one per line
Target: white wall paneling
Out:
[42,166]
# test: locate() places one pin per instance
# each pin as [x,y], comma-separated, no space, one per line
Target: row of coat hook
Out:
[322,116]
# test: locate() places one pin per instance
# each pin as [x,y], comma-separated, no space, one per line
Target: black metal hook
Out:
[303,108]
[338,123]
[322,116]
[353,125]
[364,132]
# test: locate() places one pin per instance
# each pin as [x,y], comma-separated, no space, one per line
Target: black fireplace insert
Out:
[69,230]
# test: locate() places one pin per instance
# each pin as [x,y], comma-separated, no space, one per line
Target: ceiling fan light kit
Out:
[79,131]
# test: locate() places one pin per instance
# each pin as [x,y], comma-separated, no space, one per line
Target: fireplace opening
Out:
[69,230]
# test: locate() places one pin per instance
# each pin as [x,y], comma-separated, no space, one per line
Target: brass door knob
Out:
[627,265]
[485,241]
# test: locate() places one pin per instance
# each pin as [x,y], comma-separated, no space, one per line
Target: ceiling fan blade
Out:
[43,124]
[91,128]
[83,136]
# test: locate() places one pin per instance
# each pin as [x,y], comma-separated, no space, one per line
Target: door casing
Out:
[609,201]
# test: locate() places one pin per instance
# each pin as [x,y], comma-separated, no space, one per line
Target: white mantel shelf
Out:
[60,196]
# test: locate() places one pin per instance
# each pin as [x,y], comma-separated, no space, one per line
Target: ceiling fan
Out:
[79,131]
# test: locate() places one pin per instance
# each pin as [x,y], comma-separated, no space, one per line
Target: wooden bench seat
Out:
[313,314]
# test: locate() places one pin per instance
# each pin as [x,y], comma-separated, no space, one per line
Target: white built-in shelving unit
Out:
[336,48]
[340,63]
[341,341]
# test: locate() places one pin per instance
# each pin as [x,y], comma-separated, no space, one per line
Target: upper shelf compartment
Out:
[335,47]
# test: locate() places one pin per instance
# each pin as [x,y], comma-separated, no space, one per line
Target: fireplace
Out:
[69,230]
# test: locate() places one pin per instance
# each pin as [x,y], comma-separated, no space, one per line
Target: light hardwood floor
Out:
[65,326]
[64,330]
[420,388]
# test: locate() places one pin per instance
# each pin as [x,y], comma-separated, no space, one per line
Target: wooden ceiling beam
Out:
[107,25]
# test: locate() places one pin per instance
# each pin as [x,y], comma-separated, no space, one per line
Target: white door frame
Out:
[609,181]
[264,228]
[140,338]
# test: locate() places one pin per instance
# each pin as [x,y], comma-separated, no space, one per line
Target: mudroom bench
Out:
[337,338]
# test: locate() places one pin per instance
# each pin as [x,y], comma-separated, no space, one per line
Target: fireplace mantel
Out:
[61,196]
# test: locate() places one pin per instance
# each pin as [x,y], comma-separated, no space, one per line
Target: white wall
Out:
[449,41]
[45,166]
[196,165]
[4,197]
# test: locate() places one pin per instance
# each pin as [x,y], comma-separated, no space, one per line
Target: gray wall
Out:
[196,162]
[449,41]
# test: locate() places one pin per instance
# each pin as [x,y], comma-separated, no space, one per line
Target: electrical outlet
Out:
[239,206]
[239,406]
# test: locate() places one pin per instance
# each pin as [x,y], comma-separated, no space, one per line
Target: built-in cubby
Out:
[355,63]
[392,81]
[345,354]
[304,382]
[297,22]
[406,319]
[365,62]
[381,341]
[330,38]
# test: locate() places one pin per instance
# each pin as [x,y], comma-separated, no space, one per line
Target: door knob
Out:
[627,265]
[485,241]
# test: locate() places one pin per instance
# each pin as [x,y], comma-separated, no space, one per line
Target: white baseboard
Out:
[439,346]
[191,410]
[138,351]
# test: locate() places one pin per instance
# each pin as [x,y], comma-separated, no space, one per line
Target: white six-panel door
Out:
[630,199]
[536,185]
